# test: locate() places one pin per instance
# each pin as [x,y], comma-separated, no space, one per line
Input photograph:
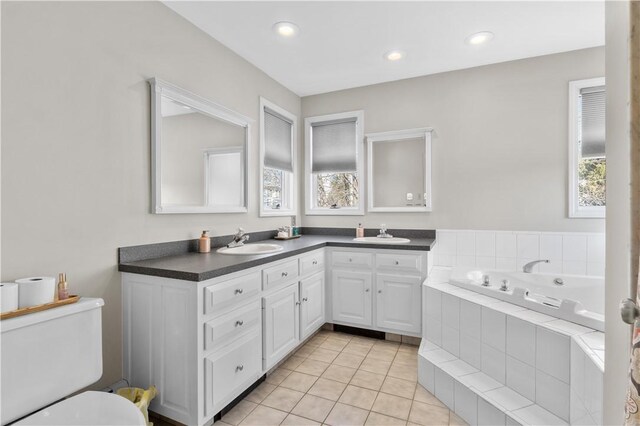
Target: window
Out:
[587,158]
[277,132]
[334,164]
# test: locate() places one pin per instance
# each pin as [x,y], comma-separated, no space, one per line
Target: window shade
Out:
[592,122]
[334,146]
[277,142]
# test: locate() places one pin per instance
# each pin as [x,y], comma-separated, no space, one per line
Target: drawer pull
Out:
[284,274]
[366,290]
[304,299]
[239,323]
[239,291]
[379,291]
[315,262]
[297,303]
[396,262]
[240,368]
[350,260]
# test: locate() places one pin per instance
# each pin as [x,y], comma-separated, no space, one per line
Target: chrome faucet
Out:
[383,232]
[239,238]
[527,268]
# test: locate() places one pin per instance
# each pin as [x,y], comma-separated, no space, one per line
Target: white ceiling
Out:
[341,44]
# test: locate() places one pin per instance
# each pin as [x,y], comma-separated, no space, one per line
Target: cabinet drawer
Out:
[231,292]
[311,263]
[285,272]
[400,262]
[227,373]
[352,259]
[230,327]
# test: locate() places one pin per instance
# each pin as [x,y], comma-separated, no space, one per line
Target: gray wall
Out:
[500,142]
[75,138]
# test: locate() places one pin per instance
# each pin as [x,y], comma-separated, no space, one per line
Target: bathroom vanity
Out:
[204,327]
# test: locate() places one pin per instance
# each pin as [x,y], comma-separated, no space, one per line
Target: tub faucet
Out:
[505,285]
[527,268]
[485,280]
[239,238]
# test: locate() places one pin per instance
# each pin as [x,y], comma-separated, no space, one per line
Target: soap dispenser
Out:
[360,231]
[204,243]
[63,288]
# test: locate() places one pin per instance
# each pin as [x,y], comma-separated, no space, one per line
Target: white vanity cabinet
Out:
[281,324]
[311,304]
[393,276]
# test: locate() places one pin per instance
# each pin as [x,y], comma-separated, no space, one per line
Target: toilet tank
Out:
[46,356]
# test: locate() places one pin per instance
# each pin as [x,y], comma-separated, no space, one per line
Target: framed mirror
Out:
[199,153]
[278,130]
[399,170]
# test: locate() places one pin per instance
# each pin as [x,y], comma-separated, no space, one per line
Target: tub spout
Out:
[528,267]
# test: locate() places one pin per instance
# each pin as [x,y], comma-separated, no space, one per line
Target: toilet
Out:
[47,356]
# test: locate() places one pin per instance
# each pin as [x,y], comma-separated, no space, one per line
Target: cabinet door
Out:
[281,324]
[311,304]
[351,297]
[398,303]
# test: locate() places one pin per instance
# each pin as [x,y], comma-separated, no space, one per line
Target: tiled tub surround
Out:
[495,363]
[578,299]
[569,252]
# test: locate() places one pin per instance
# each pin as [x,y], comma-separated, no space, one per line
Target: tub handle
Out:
[629,311]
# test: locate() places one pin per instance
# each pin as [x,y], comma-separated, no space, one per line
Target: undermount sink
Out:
[380,240]
[248,249]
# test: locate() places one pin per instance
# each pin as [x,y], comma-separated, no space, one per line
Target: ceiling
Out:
[341,44]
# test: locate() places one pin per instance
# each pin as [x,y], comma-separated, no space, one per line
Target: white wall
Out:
[499,147]
[76,132]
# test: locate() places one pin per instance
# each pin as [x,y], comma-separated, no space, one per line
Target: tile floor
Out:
[340,379]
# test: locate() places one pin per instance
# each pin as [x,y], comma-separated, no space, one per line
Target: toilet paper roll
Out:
[8,297]
[36,291]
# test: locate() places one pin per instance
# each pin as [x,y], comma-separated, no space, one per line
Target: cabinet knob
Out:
[350,260]
[284,274]
[304,299]
[379,291]
[239,291]
[239,368]
[239,323]
[396,262]
[315,262]
[366,290]
[297,303]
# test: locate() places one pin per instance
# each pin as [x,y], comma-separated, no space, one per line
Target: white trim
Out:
[309,178]
[395,136]
[161,88]
[290,181]
[574,209]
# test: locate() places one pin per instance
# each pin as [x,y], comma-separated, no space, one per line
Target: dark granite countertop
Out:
[193,266]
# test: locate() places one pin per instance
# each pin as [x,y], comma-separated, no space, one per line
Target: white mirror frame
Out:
[397,135]
[293,187]
[161,88]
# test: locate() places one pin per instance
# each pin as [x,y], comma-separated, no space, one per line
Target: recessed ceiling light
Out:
[394,55]
[286,29]
[479,38]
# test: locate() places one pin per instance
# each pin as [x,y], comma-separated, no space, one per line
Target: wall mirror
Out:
[399,170]
[199,153]
[278,128]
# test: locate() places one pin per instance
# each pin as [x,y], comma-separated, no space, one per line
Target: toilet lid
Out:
[88,408]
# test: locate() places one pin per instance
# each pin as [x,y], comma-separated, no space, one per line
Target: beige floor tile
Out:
[346,415]
[316,340]
[329,389]
[239,412]
[358,397]
[357,348]
[377,419]
[375,366]
[299,381]
[408,348]
[305,351]
[386,344]
[367,380]
[362,340]
[343,337]
[398,387]
[313,367]
[348,360]
[260,392]
[423,395]
[428,415]
[278,376]
[264,416]
[455,420]
[382,354]
[325,355]
[406,358]
[293,362]
[313,407]
[392,405]
[293,420]
[402,371]
[161,423]
[283,399]
[339,373]
[334,345]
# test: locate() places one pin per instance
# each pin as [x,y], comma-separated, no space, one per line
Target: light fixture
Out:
[286,29]
[394,55]
[479,38]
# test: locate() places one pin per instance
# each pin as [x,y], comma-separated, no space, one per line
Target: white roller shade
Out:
[593,122]
[278,143]
[334,146]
